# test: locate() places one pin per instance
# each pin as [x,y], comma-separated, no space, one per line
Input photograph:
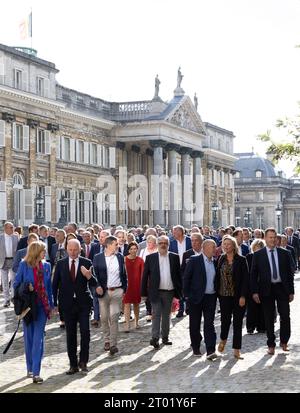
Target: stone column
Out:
[149,153]
[172,150]
[157,183]
[186,186]
[121,184]
[53,128]
[197,188]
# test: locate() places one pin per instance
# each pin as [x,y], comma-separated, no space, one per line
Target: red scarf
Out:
[39,287]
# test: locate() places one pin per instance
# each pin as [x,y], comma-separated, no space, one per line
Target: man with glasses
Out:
[161,282]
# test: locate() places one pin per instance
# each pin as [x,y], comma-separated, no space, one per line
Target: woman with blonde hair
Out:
[232,279]
[35,274]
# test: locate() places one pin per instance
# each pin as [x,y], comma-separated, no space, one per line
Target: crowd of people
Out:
[93,276]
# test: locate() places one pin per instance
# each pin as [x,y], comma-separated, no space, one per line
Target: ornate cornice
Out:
[53,127]
[172,147]
[185,150]
[8,117]
[197,154]
[32,123]
[159,143]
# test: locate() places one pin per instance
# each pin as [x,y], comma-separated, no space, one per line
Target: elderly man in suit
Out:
[8,247]
[199,286]
[71,282]
[161,282]
[272,280]
[112,284]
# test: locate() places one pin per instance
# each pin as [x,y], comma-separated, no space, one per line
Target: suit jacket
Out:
[125,251]
[25,275]
[240,274]
[22,243]
[20,254]
[295,244]
[151,276]
[53,258]
[96,248]
[260,277]
[185,259]
[3,255]
[293,254]
[65,288]
[194,279]
[100,268]
[50,241]
[245,250]
[173,247]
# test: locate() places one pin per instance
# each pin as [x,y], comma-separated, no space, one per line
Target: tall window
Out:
[94,207]
[18,79]
[80,152]
[259,196]
[41,146]
[40,86]
[93,154]
[18,142]
[80,210]
[67,148]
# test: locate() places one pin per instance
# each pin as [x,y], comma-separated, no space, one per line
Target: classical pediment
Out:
[185,116]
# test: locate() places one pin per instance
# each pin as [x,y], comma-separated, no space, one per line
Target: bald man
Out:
[72,281]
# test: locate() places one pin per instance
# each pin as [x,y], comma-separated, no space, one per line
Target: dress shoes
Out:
[113,350]
[167,342]
[221,346]
[155,343]
[271,351]
[72,370]
[197,353]
[107,346]
[211,357]
[83,367]
[237,355]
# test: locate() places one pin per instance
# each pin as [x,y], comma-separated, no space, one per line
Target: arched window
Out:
[18,181]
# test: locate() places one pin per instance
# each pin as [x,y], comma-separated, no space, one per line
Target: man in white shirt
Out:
[161,283]
[8,247]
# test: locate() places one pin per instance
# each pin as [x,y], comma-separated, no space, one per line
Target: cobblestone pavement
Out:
[140,368]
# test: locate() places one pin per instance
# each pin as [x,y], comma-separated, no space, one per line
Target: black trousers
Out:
[255,316]
[72,317]
[207,307]
[279,295]
[230,308]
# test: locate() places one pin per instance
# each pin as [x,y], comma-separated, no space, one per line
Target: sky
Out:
[239,56]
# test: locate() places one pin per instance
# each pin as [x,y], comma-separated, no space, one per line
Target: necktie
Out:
[87,251]
[275,275]
[290,240]
[72,272]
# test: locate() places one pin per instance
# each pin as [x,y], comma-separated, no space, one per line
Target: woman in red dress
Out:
[134,268]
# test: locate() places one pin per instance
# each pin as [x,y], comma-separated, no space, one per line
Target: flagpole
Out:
[31,25]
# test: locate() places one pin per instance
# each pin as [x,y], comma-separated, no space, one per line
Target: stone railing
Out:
[131,111]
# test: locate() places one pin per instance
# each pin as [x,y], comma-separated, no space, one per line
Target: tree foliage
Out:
[288,149]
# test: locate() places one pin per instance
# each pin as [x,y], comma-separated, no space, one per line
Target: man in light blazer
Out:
[8,247]
[112,284]
[161,282]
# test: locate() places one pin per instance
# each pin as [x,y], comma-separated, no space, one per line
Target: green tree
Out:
[290,147]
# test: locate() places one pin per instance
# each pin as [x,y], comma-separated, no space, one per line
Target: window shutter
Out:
[112,157]
[48,203]
[91,153]
[87,203]
[99,155]
[25,138]
[47,142]
[72,150]
[63,151]
[57,147]
[104,157]
[28,207]
[46,88]
[58,209]
[3,209]
[99,207]
[112,208]
[14,135]
[73,206]
[25,81]
[77,154]
[86,152]
[2,133]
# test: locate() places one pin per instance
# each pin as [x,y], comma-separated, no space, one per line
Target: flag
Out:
[26,27]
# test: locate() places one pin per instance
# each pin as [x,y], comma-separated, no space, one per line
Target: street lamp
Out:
[63,210]
[39,209]
[278,213]
[248,215]
[214,209]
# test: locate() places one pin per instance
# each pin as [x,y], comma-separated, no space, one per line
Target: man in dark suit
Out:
[272,280]
[179,244]
[99,247]
[71,281]
[244,250]
[20,254]
[33,228]
[294,241]
[199,287]
[112,284]
[161,282]
[122,244]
